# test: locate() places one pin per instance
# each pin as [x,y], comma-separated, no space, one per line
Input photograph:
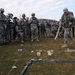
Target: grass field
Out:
[9,54]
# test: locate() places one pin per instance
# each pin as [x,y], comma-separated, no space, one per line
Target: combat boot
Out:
[22,41]
[64,46]
[37,40]
[32,40]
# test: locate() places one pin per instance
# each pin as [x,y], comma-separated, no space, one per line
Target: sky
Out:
[44,9]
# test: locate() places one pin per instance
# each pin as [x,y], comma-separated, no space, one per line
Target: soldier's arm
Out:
[17,30]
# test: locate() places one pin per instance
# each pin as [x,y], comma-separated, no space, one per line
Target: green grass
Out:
[9,53]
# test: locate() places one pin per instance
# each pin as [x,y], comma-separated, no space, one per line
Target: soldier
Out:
[19,31]
[28,28]
[34,27]
[2,26]
[15,23]
[10,27]
[66,21]
[23,23]
[47,28]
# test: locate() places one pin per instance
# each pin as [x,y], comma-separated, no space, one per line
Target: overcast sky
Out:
[49,9]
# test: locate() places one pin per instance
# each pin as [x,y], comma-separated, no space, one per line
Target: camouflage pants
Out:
[47,32]
[20,34]
[2,38]
[25,32]
[67,35]
[39,31]
[5,31]
[10,34]
[34,33]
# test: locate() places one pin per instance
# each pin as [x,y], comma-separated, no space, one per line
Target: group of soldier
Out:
[13,28]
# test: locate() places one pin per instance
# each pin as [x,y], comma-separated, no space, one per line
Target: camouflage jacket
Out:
[67,20]
[2,18]
[23,23]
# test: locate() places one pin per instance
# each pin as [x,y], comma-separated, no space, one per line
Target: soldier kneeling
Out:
[19,32]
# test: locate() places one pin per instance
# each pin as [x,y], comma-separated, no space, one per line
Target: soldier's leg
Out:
[39,32]
[15,33]
[1,39]
[32,34]
[1,35]
[21,37]
[24,33]
[8,34]
[48,33]
[4,31]
[73,32]
[36,34]
[43,32]
[65,39]
[71,37]
[12,35]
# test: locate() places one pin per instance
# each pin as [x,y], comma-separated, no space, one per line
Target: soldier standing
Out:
[66,21]
[23,23]
[10,27]
[34,27]
[28,28]
[47,28]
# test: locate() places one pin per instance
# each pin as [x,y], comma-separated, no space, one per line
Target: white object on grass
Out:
[14,67]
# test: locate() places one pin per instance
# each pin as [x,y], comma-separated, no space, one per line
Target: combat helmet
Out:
[33,14]
[1,10]
[65,10]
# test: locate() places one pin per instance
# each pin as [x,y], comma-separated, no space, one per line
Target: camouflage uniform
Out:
[23,23]
[66,21]
[34,27]
[2,26]
[19,31]
[10,28]
[28,28]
